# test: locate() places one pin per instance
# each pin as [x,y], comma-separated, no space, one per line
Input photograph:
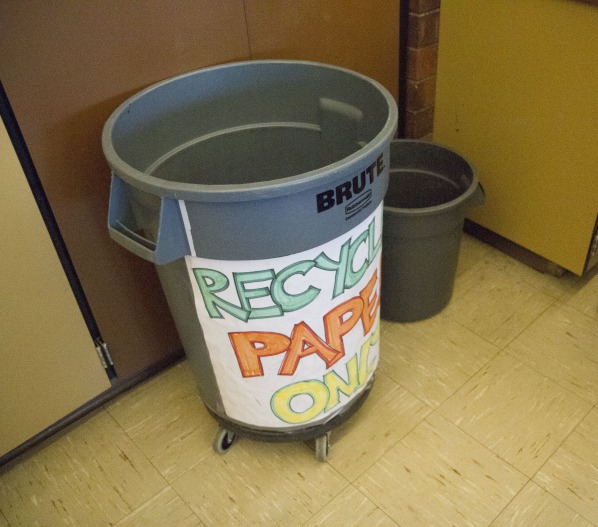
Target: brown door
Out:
[362,36]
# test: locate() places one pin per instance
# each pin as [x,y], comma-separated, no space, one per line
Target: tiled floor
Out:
[484,415]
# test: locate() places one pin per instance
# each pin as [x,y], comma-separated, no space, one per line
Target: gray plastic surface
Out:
[175,281]
[248,147]
[430,191]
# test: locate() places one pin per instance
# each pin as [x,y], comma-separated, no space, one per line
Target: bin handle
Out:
[478,197]
[135,237]
[171,241]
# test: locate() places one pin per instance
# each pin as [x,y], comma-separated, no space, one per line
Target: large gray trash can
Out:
[256,188]
[431,189]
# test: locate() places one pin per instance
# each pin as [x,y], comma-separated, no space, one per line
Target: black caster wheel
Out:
[223,440]
[323,447]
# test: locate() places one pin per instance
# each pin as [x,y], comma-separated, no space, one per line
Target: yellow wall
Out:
[517,94]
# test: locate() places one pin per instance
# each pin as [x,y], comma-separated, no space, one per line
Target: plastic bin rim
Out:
[245,191]
[460,201]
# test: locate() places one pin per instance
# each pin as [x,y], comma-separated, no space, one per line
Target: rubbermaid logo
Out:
[358,204]
[350,191]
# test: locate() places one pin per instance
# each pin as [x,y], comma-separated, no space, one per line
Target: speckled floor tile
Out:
[585,299]
[432,358]
[167,421]
[554,286]
[494,304]
[572,473]
[439,476]
[534,507]
[562,345]
[514,411]
[389,414]
[350,509]
[256,483]
[471,251]
[93,475]
[165,509]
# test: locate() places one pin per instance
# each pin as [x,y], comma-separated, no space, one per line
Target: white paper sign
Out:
[292,340]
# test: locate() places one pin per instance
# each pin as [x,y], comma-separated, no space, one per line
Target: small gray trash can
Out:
[256,188]
[430,191]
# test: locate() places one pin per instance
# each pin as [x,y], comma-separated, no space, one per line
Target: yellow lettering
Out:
[282,399]
[337,384]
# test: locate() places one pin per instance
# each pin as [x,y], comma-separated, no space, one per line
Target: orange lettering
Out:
[371,303]
[305,342]
[335,324]
[250,346]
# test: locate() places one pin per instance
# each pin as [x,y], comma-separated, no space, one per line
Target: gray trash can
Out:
[256,188]
[431,189]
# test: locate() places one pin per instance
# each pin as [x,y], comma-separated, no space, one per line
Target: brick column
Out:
[422,55]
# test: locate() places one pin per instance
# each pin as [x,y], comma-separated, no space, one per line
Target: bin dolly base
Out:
[228,430]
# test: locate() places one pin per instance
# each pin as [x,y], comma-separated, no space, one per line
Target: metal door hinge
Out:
[105,358]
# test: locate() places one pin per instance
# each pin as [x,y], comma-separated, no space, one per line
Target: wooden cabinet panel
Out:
[49,363]
[362,36]
[516,95]
[65,67]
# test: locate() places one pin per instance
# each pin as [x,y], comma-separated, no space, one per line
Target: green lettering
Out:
[373,248]
[353,277]
[245,295]
[211,282]
[292,302]
[340,268]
